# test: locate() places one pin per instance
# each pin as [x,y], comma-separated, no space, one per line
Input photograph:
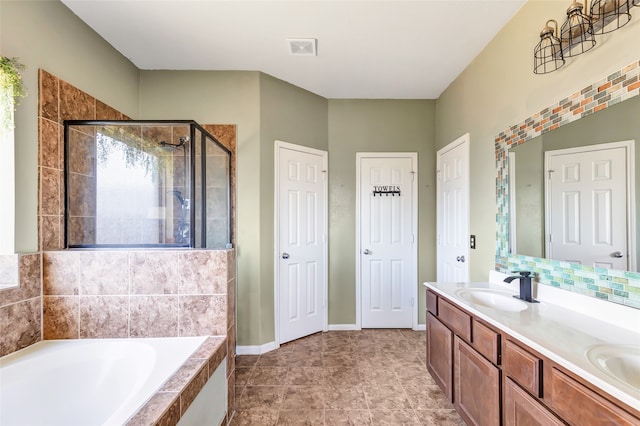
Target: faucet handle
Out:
[522,273]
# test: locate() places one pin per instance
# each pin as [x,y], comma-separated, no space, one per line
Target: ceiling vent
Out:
[302,46]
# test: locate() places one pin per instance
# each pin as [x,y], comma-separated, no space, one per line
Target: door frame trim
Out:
[629,146]
[414,230]
[276,238]
[465,141]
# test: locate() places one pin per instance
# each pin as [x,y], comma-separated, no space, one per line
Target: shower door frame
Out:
[193,126]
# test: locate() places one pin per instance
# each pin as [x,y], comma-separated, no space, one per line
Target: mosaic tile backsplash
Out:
[613,285]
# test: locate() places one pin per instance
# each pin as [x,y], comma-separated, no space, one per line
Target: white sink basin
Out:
[622,362]
[495,299]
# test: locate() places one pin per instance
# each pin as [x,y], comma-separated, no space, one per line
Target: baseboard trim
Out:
[421,327]
[343,327]
[256,349]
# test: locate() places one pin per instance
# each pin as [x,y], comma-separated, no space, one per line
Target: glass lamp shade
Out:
[547,55]
[576,33]
[609,15]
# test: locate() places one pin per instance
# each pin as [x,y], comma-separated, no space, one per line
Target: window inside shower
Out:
[145,184]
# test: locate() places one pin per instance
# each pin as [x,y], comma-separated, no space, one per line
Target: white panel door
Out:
[453,211]
[388,269]
[301,264]
[587,205]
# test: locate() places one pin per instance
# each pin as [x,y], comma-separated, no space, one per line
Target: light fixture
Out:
[609,15]
[576,33]
[547,56]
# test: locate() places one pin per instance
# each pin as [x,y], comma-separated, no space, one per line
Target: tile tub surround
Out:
[122,293]
[21,306]
[176,395]
[612,285]
[150,293]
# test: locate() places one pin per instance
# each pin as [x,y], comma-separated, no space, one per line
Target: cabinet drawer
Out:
[455,318]
[579,405]
[486,341]
[524,367]
[432,302]
[520,408]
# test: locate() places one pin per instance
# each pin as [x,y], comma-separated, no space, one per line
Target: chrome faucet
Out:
[525,286]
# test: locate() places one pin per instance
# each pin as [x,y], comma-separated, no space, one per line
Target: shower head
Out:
[173,146]
[178,195]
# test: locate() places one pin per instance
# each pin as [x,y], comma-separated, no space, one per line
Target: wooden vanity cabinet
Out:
[493,378]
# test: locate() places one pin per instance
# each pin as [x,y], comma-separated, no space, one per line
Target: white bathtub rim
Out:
[171,353]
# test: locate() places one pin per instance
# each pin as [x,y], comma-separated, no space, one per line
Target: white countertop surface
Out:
[559,332]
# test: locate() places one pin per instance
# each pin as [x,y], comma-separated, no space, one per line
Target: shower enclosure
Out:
[145,184]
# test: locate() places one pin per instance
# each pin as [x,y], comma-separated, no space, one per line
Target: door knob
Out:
[460,259]
[617,254]
[285,255]
[367,251]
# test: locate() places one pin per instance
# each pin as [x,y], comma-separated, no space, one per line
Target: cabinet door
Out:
[521,409]
[439,354]
[476,384]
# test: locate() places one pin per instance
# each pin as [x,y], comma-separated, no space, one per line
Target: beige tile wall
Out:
[109,294]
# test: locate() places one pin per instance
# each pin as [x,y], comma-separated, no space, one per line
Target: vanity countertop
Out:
[559,332]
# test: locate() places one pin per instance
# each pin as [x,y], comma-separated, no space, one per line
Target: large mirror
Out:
[546,199]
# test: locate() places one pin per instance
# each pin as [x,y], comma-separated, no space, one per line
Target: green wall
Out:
[45,34]
[498,89]
[371,126]
[294,115]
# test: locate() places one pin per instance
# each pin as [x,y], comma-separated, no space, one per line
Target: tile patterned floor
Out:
[368,377]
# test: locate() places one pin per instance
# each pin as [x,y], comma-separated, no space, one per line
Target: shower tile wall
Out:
[82,183]
[226,135]
[59,101]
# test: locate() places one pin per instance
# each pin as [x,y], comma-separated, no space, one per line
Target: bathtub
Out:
[87,382]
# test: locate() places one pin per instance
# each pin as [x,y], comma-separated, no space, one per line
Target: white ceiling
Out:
[366,49]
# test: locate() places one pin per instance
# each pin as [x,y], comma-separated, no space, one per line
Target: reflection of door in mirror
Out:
[526,188]
[588,205]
